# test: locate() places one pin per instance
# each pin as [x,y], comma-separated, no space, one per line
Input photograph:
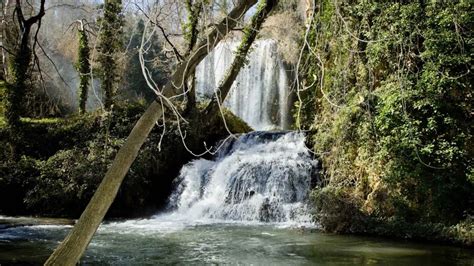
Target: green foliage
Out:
[68,179]
[84,67]
[391,106]
[110,43]
[57,173]
[191,26]
[15,182]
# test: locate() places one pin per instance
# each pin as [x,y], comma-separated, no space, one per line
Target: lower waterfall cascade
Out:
[261,177]
[260,94]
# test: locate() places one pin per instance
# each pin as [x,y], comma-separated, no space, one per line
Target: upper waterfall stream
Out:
[260,94]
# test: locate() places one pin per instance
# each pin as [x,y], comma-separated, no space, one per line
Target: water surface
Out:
[165,240]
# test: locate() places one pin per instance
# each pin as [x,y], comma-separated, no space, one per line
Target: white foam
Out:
[259,179]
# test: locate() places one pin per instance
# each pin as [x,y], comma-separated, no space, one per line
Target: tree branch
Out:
[179,57]
[37,17]
[6,50]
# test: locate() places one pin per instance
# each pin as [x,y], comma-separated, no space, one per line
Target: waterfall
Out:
[260,94]
[261,176]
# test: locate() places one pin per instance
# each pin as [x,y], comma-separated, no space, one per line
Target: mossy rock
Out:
[235,123]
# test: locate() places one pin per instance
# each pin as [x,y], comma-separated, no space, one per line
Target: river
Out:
[164,240]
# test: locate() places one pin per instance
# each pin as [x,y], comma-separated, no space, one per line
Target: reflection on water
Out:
[165,241]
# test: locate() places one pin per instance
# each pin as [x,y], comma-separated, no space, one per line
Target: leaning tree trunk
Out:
[71,249]
[250,33]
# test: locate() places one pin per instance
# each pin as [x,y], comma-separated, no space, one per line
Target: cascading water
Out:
[260,94]
[261,176]
[220,205]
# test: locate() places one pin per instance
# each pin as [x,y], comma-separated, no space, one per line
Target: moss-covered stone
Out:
[339,211]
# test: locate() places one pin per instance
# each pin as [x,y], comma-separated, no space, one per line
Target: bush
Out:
[336,209]
[391,111]
[59,171]
[15,181]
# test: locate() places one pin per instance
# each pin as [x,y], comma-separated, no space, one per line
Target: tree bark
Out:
[20,61]
[71,249]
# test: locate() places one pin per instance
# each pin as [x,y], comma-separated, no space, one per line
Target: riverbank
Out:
[342,213]
[20,221]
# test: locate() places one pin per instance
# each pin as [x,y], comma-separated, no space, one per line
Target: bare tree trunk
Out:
[71,249]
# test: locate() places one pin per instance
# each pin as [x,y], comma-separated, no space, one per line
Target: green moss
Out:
[389,107]
[235,123]
[48,120]
[84,67]
[110,43]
